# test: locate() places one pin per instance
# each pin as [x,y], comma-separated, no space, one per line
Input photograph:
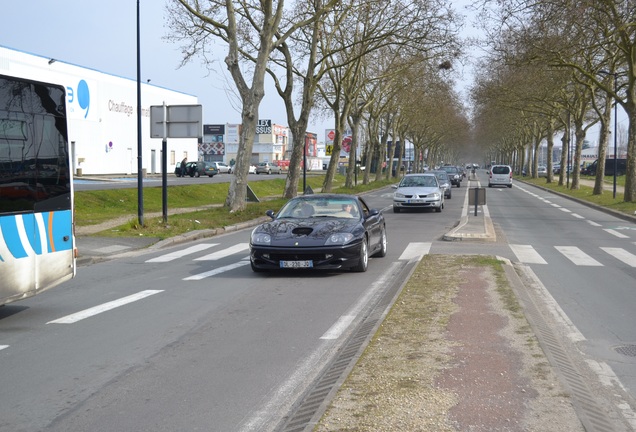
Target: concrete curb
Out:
[455,234]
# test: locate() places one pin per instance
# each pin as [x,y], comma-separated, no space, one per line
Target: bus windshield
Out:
[37,246]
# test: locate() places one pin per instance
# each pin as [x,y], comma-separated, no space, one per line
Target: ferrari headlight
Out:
[339,239]
[260,238]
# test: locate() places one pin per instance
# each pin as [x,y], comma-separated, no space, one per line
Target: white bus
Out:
[37,244]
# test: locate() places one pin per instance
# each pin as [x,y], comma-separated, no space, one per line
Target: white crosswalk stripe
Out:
[240,247]
[615,233]
[577,256]
[526,254]
[621,254]
[181,253]
[415,250]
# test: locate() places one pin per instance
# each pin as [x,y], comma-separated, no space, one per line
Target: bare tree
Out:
[593,36]
[252,30]
[424,29]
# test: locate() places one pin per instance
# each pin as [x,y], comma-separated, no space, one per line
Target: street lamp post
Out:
[140,181]
[615,133]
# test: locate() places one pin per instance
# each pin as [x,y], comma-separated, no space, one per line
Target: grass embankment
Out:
[585,193]
[206,200]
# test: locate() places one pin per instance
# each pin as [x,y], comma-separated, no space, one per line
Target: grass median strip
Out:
[395,384]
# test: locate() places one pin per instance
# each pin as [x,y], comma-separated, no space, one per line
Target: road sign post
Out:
[173,121]
[476,196]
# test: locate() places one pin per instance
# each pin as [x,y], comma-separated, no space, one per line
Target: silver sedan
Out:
[417,191]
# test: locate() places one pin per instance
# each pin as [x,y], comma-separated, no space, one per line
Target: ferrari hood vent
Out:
[303,230]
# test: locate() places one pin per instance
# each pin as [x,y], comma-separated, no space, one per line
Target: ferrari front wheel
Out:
[363,263]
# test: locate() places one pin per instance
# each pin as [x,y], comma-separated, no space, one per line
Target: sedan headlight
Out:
[339,239]
[261,238]
[398,195]
[435,195]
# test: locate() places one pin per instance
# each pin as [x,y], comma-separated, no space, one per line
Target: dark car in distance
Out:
[454,175]
[321,231]
[444,182]
[621,167]
[196,169]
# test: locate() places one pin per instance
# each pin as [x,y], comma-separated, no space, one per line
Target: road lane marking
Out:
[615,233]
[415,250]
[217,271]
[240,247]
[594,223]
[576,215]
[345,320]
[621,254]
[527,254]
[339,327]
[577,256]
[572,332]
[181,253]
[280,400]
[87,313]
[563,209]
[3,347]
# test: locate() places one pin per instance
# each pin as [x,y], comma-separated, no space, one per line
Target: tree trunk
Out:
[550,139]
[630,177]
[602,148]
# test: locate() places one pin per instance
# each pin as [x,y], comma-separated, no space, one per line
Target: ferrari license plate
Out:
[297,264]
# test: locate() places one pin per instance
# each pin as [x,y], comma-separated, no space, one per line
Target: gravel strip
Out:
[455,353]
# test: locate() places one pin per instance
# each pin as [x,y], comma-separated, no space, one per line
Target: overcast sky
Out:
[102,35]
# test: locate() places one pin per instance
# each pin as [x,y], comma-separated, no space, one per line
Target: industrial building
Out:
[102,115]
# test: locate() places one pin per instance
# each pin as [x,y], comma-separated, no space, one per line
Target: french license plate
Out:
[297,264]
[416,201]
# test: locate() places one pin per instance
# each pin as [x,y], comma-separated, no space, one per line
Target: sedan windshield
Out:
[418,181]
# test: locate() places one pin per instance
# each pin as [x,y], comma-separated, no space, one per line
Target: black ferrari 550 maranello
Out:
[322,231]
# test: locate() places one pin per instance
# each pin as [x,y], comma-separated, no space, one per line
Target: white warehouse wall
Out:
[102,113]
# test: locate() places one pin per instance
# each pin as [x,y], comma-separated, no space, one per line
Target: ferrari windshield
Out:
[310,207]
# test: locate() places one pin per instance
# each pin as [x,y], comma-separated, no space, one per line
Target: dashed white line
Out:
[217,271]
[87,313]
[3,347]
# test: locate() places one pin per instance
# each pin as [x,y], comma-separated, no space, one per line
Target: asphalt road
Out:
[187,337]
